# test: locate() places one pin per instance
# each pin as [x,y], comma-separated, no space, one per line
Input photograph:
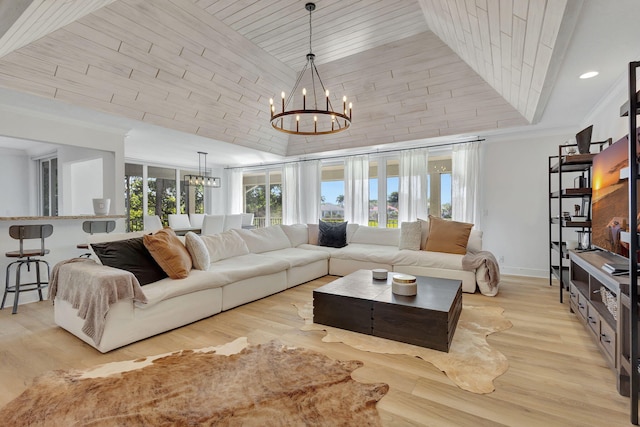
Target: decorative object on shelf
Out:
[202,178]
[379,274]
[101,206]
[576,208]
[312,119]
[583,138]
[404,284]
[569,148]
[584,239]
[579,182]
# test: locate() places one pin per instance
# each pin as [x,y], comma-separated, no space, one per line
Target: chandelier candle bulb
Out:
[350,106]
[327,95]
[283,101]
[297,123]
[304,98]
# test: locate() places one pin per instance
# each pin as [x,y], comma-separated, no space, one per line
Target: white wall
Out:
[87,183]
[14,174]
[40,127]
[514,201]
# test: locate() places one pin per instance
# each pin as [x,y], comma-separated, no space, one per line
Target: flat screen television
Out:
[610,199]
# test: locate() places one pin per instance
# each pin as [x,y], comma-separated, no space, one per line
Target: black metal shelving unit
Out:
[559,166]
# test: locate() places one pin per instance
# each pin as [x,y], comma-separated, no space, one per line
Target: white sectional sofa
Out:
[246,265]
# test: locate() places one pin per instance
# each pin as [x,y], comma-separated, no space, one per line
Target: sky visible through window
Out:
[332,189]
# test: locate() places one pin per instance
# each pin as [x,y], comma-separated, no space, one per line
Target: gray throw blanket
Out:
[472,261]
[92,288]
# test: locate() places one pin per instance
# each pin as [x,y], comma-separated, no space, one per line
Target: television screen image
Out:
[610,198]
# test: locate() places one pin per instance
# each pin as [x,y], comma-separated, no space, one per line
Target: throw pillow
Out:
[424,234]
[410,235]
[169,253]
[448,236]
[130,255]
[333,235]
[198,251]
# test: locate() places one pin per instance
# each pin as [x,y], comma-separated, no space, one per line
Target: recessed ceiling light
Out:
[589,74]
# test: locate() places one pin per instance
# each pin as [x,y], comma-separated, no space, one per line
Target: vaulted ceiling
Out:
[414,69]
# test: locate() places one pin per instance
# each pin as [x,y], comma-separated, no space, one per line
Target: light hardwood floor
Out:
[556,377]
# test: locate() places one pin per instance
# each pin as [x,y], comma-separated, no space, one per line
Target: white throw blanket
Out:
[92,288]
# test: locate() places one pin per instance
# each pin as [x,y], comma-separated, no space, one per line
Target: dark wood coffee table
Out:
[359,303]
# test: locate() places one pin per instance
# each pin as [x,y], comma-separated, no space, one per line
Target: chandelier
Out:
[312,119]
[202,178]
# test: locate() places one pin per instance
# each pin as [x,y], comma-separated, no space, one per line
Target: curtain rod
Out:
[395,150]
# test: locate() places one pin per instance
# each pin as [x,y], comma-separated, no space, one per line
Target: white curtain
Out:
[290,193]
[465,160]
[356,189]
[412,186]
[235,192]
[301,192]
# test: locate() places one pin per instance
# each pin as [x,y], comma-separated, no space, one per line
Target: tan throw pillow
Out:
[410,234]
[198,251]
[169,253]
[448,236]
[424,235]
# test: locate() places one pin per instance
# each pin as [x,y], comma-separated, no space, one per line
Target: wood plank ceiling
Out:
[208,67]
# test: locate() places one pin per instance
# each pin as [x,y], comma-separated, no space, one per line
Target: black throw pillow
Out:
[130,255]
[332,234]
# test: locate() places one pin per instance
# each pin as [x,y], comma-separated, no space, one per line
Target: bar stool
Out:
[26,257]
[93,227]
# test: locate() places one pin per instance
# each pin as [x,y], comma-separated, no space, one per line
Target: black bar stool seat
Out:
[27,257]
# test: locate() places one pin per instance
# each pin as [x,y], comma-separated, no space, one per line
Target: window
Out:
[255,186]
[373,194]
[133,196]
[191,196]
[332,193]
[161,193]
[393,184]
[439,186]
[48,171]
[275,197]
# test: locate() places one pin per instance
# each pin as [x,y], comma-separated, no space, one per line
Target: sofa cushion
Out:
[448,236]
[382,254]
[297,257]
[376,236]
[333,235]
[198,251]
[264,239]
[327,249]
[169,252]
[475,241]
[410,235]
[298,234]
[429,259]
[169,288]
[247,266]
[224,245]
[130,255]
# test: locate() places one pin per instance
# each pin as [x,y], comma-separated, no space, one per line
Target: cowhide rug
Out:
[472,364]
[262,385]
